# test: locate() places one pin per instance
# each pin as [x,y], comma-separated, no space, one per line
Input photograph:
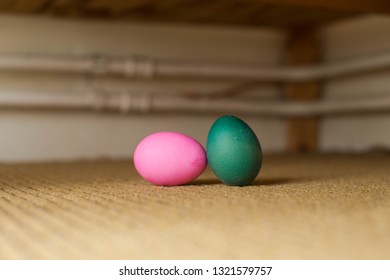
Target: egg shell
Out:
[233,151]
[169,158]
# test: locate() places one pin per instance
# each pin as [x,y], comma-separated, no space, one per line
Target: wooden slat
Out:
[22,6]
[222,12]
[303,48]
[365,6]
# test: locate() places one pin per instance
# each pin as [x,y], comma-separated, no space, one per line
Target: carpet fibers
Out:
[300,207]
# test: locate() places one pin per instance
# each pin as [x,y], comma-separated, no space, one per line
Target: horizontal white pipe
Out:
[133,66]
[126,102]
[275,73]
[95,64]
[276,109]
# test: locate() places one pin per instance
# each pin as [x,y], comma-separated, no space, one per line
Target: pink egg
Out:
[169,158]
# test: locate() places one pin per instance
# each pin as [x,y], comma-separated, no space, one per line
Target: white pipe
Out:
[274,73]
[98,100]
[126,102]
[96,64]
[147,67]
[275,109]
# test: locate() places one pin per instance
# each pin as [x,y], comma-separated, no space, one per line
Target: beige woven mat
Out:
[301,207]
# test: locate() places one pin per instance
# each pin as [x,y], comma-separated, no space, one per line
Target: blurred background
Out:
[90,79]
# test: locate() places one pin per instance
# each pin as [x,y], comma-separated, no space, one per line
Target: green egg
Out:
[233,151]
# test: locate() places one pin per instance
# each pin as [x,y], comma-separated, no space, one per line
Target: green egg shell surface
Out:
[233,151]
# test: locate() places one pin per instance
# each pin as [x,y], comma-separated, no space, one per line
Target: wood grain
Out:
[303,48]
[221,12]
[366,6]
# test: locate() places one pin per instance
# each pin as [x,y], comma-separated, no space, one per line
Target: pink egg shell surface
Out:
[169,158]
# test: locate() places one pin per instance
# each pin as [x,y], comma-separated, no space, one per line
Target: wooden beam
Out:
[21,6]
[303,48]
[364,6]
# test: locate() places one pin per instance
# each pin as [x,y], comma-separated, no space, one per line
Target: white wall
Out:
[344,40]
[49,135]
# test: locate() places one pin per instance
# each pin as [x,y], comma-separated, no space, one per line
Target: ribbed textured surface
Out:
[301,207]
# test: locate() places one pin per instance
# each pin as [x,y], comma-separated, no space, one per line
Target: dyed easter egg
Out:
[233,151]
[169,158]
